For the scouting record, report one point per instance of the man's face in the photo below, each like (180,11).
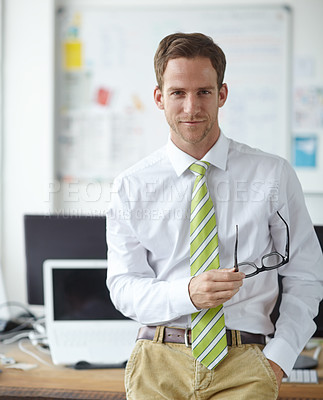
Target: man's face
(190,99)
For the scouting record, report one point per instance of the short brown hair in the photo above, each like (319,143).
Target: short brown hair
(188,45)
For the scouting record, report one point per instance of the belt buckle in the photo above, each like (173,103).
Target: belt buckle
(186,338)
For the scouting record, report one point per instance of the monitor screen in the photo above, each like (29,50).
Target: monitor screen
(319,319)
(80,294)
(60,237)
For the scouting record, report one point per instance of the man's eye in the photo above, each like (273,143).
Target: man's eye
(177,93)
(205,92)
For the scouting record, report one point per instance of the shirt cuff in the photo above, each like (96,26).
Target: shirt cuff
(179,296)
(279,351)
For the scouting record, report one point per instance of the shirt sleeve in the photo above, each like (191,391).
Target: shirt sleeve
(134,288)
(302,277)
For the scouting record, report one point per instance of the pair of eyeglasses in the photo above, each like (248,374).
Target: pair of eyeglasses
(269,261)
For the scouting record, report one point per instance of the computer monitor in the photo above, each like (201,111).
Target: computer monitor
(319,319)
(60,237)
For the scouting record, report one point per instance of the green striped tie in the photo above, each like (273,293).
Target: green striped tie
(209,342)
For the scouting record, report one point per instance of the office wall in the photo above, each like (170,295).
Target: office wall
(27,128)
(28,114)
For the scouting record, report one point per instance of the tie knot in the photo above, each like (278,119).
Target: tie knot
(199,167)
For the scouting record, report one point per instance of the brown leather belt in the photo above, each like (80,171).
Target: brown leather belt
(183,336)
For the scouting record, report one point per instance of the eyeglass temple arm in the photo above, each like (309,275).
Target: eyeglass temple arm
(287,241)
(236,268)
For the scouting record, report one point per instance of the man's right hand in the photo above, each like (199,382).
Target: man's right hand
(214,287)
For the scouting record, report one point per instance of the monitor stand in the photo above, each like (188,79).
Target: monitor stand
(305,362)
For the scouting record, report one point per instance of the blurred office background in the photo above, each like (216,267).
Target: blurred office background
(36,35)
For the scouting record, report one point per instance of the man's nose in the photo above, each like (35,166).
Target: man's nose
(191,104)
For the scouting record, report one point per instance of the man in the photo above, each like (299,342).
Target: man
(181,219)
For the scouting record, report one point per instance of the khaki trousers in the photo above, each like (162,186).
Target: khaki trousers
(158,370)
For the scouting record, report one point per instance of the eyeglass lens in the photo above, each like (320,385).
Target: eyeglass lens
(270,261)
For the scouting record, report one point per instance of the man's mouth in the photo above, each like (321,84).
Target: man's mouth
(194,122)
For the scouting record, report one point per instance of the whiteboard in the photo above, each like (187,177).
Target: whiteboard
(106,118)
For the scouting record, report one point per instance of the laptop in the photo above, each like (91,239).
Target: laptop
(83,326)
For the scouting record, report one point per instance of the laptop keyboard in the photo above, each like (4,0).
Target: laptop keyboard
(302,376)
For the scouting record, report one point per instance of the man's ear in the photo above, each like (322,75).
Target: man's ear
(158,97)
(223,94)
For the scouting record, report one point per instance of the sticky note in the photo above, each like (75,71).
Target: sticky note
(72,54)
(305,151)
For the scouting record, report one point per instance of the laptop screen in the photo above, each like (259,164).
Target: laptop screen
(81,321)
(81,294)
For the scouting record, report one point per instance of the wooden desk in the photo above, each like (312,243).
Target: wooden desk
(52,382)
(299,391)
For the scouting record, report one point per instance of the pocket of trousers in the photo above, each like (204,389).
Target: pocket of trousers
(266,366)
(131,363)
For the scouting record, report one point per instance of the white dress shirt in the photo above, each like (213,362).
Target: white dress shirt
(148,242)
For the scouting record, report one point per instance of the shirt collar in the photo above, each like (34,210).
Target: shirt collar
(217,155)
